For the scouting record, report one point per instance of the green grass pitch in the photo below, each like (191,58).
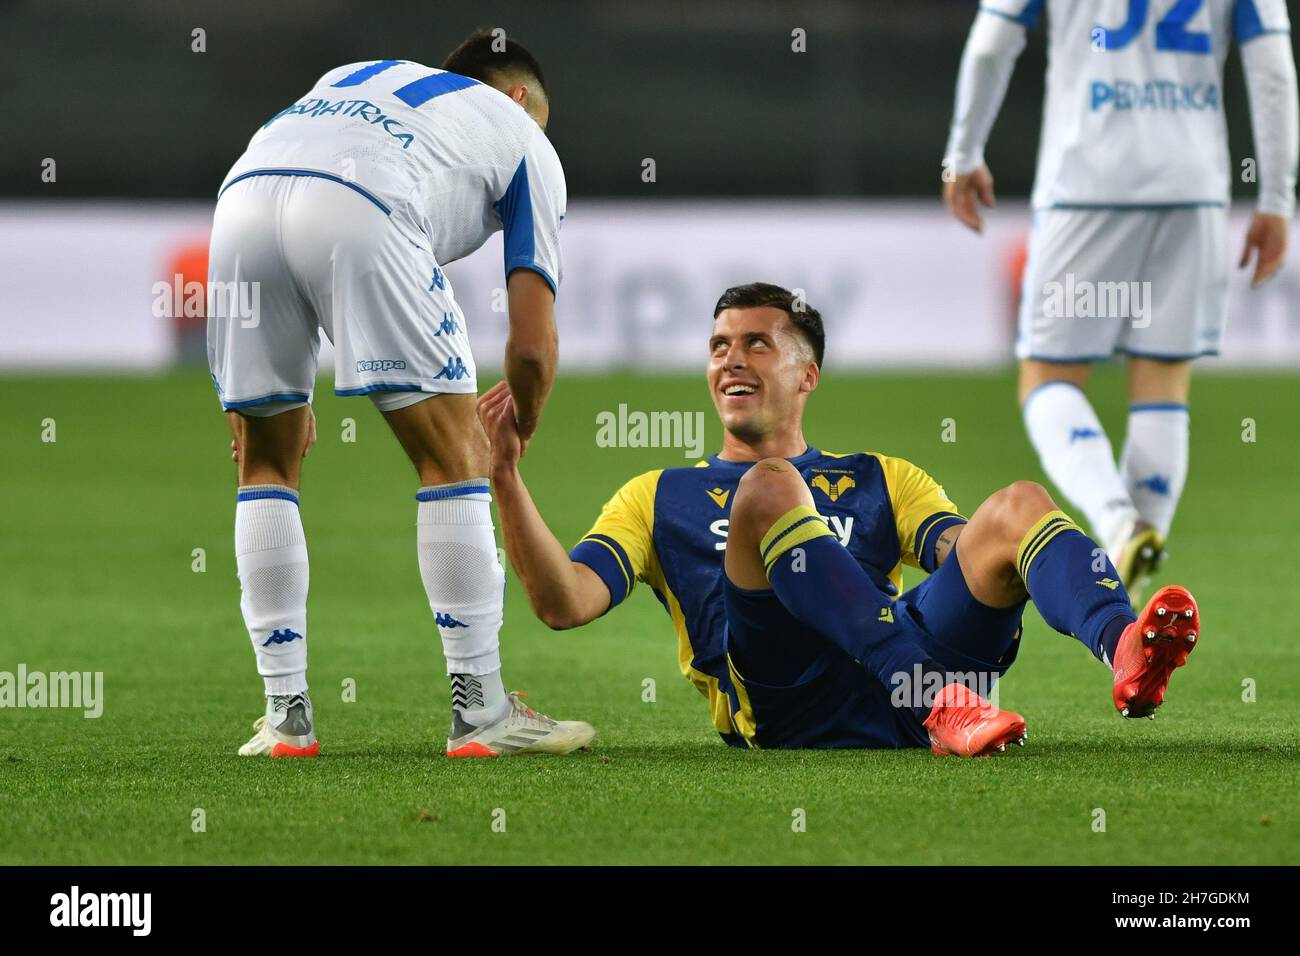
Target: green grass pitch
(98,533)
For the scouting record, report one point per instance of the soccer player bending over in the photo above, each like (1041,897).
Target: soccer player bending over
(342,212)
(1130,200)
(798,634)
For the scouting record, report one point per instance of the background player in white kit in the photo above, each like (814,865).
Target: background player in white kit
(343,209)
(1132,187)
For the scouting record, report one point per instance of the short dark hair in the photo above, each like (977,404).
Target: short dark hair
(803,316)
(477,59)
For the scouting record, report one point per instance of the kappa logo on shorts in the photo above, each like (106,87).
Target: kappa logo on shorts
(379,365)
(448,325)
(438,280)
(455,369)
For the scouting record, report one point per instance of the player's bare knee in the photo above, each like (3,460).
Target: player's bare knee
(768,490)
(1019,506)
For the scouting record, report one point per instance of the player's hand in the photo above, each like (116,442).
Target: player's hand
(311,431)
(496,413)
(966,193)
(527,428)
(1267,238)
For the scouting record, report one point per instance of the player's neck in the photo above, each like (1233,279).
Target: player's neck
(735,448)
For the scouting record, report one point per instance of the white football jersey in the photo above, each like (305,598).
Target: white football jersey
(460,157)
(1134,107)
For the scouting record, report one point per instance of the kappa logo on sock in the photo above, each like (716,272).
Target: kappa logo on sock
(1078,434)
(1156,484)
(1108,583)
(446,620)
(282,636)
(886,615)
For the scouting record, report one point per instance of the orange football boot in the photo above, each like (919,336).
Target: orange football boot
(965,724)
(1151,648)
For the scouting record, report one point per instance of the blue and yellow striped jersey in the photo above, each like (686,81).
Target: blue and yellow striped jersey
(668,528)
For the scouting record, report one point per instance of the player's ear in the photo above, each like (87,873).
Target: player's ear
(811,376)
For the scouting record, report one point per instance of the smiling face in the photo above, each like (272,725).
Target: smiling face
(761,371)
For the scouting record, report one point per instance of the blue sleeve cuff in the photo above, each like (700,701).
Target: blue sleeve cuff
(607,558)
(927,537)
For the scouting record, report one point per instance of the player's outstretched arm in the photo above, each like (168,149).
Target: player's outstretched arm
(532,347)
(995,42)
(564,593)
(1271,84)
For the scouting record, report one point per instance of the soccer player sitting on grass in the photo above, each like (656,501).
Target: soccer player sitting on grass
(781,567)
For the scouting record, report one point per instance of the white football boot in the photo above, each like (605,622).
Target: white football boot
(285,730)
(521,731)
(1136,553)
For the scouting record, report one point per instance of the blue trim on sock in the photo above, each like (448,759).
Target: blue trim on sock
(1158,407)
(267,493)
(438,494)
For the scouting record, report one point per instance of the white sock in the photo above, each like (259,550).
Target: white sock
(271,554)
(1154,462)
(1077,456)
(466,587)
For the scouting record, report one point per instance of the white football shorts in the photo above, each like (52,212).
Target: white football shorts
(1151,283)
(293,254)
